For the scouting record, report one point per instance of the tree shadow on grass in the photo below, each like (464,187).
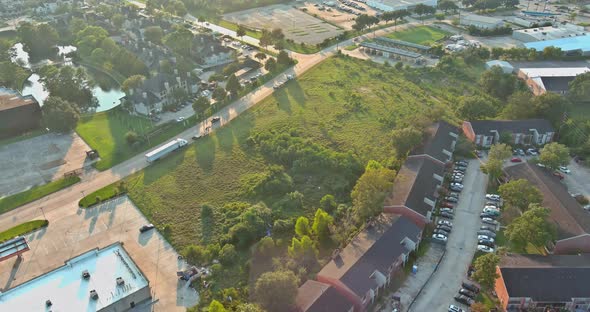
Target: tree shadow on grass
(205,153)
(296,92)
(164,166)
(283,101)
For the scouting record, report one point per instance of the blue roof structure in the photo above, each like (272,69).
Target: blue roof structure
(565,44)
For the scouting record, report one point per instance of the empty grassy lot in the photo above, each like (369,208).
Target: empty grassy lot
(106,131)
(17,200)
(425,35)
(22,229)
(345,105)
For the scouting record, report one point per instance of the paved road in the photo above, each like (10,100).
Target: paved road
(446,281)
(577,181)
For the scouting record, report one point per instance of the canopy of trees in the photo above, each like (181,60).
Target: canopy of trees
(554,155)
(532,227)
(370,191)
(520,194)
(39,40)
(276,291)
(60,115)
(405,139)
(485,270)
(498,84)
(69,84)
(579,89)
(11,75)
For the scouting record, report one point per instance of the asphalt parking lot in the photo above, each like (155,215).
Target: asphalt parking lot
(73,231)
(296,25)
(438,293)
(39,160)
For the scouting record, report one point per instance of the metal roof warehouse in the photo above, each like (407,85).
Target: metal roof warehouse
(570,44)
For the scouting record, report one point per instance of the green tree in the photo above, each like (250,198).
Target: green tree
(154,34)
(118,20)
(60,115)
(132,82)
(201,103)
(475,107)
(519,106)
(552,53)
(493,168)
(447,5)
(216,306)
(131,137)
(550,106)
(328,203)
(498,84)
(227,254)
(219,94)
(579,88)
(283,58)
(265,38)
(270,65)
(422,9)
(38,39)
(369,192)
(321,225)
(241,31)
(500,151)
(485,270)
(69,84)
(276,291)
(532,227)
(520,194)
(233,85)
(405,139)
(260,56)
(302,227)
(303,251)
(506,137)
(195,254)
(554,155)
(180,41)
(248,307)
(364,21)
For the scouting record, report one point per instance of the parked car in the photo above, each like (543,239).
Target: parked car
(488,228)
(485,237)
(488,215)
(487,233)
(515,160)
(457,180)
(532,152)
(454,194)
(446,215)
(439,237)
(489,221)
(451,199)
(458,185)
(215,119)
(467,292)
(464,299)
(486,242)
(145,228)
(493,203)
(474,288)
(493,197)
(461,168)
(455,188)
(564,169)
(445,222)
(558,175)
(454,308)
(444,228)
(447,205)
(541,165)
(462,163)
(440,231)
(484,248)
(492,211)
(196,137)
(447,210)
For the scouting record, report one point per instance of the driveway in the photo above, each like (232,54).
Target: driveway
(39,160)
(438,294)
(73,231)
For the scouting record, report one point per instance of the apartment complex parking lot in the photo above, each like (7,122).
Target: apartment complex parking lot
(460,247)
(73,231)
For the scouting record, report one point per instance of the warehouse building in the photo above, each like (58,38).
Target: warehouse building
(548,33)
(394,5)
(18,113)
(556,79)
(480,21)
(390,52)
(99,280)
(570,45)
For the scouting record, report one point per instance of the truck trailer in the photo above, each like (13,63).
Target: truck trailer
(165,149)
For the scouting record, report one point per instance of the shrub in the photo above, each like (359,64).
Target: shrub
(227,254)
(131,137)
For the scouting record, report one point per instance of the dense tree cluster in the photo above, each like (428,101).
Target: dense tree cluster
(520,194)
(60,115)
(39,40)
(370,191)
(532,227)
(11,75)
(70,84)
(485,270)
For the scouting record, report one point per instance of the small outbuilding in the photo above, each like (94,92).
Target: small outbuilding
(506,67)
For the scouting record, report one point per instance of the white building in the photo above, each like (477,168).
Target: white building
(99,280)
(556,80)
(548,33)
(480,21)
(394,5)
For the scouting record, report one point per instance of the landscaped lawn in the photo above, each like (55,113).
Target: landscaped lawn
(344,105)
(234,27)
(17,200)
(425,35)
(22,229)
(106,131)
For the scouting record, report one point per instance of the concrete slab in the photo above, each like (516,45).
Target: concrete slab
(39,160)
(73,231)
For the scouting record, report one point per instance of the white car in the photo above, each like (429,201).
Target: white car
(485,237)
(541,165)
(564,169)
(485,248)
(447,210)
(492,207)
(491,210)
(439,237)
(180,119)
(445,222)
(459,185)
(489,221)
(492,197)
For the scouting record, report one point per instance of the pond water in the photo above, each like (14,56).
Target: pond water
(105,91)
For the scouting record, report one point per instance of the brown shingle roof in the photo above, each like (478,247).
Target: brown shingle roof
(569,217)
(319,297)
(10,99)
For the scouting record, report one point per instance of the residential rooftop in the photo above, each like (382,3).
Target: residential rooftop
(555,71)
(374,249)
(566,213)
(547,284)
(10,99)
(66,288)
(418,178)
(514,126)
(439,143)
(315,296)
